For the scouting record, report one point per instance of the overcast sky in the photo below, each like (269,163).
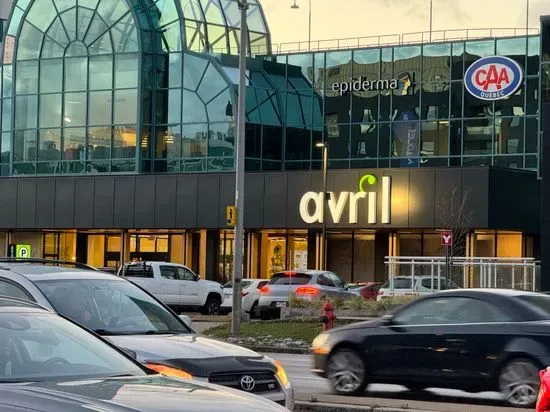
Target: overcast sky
(333,19)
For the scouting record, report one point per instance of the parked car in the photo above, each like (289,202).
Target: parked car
(132,318)
(475,340)
(368,290)
(227,304)
(175,285)
(418,285)
(50,364)
(304,284)
(251,297)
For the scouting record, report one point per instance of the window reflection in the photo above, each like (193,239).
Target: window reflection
(50,80)
(49,147)
(478,136)
(74,147)
(101,73)
(50,110)
(124,142)
(125,106)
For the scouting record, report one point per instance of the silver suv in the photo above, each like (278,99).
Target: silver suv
(304,284)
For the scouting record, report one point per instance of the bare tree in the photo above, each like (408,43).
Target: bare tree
(455,218)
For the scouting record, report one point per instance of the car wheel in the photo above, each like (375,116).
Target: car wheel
(212,306)
(255,312)
(346,372)
(519,383)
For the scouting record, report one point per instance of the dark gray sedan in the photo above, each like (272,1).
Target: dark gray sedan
(132,318)
(50,364)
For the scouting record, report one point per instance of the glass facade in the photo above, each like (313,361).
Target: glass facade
(141,86)
(102,86)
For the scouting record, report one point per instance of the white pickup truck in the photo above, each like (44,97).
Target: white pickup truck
(175,285)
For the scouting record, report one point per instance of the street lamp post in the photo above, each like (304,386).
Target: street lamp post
(324,146)
(295,6)
(431,19)
(239,176)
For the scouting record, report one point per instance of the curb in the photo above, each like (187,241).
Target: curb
(300,406)
(267,349)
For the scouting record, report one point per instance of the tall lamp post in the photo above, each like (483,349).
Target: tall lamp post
(431,19)
(295,6)
(239,176)
(324,146)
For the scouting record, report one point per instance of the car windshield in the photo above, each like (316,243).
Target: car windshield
(110,306)
(290,278)
(538,303)
(43,346)
(399,283)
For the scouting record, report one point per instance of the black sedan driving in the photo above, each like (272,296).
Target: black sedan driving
(474,340)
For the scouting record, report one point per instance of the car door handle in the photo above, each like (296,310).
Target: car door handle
(455,340)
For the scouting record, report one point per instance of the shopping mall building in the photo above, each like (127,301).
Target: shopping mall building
(118,136)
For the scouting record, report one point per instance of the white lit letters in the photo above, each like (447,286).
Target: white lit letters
(312,204)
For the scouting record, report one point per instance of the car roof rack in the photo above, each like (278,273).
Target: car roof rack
(48,262)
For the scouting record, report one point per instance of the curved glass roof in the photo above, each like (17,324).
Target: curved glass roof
(214,26)
(106,26)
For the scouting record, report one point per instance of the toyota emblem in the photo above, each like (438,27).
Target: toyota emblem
(248,383)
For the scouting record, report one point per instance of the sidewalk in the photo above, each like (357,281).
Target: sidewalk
(334,403)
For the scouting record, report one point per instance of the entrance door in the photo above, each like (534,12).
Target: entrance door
(153,248)
(112,251)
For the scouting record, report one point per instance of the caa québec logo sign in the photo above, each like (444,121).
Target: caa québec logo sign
(493,78)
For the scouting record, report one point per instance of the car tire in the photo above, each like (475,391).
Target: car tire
(519,383)
(212,306)
(255,312)
(346,372)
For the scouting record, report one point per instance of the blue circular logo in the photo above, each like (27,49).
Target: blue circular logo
(493,78)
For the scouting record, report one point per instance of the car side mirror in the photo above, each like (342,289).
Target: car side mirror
(197,278)
(129,352)
(187,320)
(387,320)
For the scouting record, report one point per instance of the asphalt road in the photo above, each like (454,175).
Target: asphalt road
(308,386)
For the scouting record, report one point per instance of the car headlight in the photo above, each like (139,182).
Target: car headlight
(281,374)
(321,344)
(168,371)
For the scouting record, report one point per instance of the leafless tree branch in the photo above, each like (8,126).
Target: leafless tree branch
(455,217)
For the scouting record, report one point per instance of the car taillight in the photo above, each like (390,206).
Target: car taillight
(244,293)
(264,290)
(307,290)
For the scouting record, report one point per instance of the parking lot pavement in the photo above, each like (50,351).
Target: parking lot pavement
(308,386)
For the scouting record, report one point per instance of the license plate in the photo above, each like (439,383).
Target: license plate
(280,304)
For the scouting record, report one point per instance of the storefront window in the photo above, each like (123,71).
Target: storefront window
(297,252)
(410,244)
(484,245)
(364,258)
(339,255)
(276,254)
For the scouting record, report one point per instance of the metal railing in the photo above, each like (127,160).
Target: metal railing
(472,272)
(436,36)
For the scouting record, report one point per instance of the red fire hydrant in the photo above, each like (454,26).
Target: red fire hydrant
(328,317)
